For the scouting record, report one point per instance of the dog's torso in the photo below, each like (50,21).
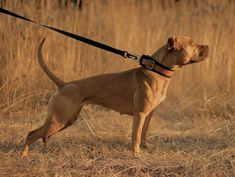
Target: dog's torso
(117,90)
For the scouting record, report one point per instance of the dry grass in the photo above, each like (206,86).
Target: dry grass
(193,131)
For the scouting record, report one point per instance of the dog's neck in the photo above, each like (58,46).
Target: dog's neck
(159,56)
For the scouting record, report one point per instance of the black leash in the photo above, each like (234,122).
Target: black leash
(145,60)
(123,53)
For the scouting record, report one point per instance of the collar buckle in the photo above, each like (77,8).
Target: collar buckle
(150,62)
(152,65)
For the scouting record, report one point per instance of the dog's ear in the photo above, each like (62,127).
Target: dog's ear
(172,43)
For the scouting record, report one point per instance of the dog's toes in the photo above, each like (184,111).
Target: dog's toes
(136,152)
(137,155)
(25,152)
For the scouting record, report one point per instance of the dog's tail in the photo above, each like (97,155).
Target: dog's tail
(43,65)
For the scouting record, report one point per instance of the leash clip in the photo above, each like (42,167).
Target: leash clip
(131,56)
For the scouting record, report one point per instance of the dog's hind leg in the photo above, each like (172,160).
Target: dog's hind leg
(71,121)
(53,130)
(33,136)
(63,111)
(49,128)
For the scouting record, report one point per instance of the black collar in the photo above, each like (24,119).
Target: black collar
(153,65)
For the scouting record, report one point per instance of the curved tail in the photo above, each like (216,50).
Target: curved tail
(43,65)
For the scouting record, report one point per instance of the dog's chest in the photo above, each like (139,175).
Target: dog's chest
(159,94)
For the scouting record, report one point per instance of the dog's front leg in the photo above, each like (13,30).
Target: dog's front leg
(145,130)
(140,111)
(137,126)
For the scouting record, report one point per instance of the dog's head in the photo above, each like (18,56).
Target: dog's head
(183,50)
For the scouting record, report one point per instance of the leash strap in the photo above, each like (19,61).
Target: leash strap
(145,61)
(123,53)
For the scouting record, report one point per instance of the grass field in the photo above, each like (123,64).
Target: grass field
(192,132)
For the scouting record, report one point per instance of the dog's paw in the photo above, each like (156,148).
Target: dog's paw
(137,155)
(24,155)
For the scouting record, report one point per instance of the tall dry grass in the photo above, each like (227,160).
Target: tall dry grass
(138,26)
(195,126)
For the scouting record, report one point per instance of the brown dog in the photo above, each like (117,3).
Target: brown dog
(134,92)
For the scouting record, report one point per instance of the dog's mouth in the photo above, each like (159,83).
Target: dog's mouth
(192,61)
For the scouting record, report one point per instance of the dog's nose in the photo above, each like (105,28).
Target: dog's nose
(204,50)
